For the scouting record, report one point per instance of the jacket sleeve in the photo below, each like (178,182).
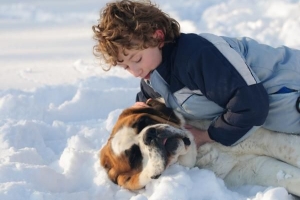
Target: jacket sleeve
(146,92)
(230,84)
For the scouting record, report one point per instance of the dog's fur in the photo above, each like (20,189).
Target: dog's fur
(145,141)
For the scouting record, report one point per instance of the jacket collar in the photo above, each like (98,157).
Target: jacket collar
(168,53)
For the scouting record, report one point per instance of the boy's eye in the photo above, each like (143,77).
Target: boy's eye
(139,60)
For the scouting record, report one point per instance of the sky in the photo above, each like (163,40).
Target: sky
(57,105)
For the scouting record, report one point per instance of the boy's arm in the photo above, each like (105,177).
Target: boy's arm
(245,104)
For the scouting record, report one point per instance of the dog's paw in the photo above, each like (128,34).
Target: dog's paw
(206,155)
(214,157)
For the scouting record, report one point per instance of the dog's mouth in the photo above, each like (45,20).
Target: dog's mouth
(165,144)
(171,144)
(169,140)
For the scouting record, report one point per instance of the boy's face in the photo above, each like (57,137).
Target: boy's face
(140,63)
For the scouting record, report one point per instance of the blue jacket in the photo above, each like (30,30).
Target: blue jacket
(229,81)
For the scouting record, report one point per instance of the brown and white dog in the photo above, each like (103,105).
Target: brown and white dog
(145,141)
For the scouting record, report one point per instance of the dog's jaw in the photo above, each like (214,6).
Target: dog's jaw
(154,163)
(189,157)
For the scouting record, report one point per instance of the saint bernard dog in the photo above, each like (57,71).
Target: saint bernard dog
(146,140)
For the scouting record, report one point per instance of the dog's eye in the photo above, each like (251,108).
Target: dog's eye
(127,152)
(106,165)
(134,156)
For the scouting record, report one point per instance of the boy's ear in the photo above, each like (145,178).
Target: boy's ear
(159,34)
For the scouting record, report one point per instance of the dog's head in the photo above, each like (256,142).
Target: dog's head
(144,142)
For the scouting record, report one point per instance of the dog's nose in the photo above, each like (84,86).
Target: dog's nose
(150,135)
(186,141)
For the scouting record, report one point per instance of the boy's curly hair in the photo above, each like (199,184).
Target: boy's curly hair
(130,25)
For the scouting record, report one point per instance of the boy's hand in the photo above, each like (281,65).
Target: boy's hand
(139,104)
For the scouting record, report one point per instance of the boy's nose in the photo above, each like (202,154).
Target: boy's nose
(137,72)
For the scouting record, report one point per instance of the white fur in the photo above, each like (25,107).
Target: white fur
(123,139)
(265,158)
(152,161)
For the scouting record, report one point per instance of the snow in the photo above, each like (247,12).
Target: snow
(57,105)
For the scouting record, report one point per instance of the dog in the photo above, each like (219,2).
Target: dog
(146,140)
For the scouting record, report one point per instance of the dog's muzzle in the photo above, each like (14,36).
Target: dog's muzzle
(165,138)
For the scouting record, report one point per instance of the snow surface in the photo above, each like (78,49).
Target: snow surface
(57,105)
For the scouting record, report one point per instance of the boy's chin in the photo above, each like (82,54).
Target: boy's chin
(147,77)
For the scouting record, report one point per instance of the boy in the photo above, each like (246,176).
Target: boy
(236,83)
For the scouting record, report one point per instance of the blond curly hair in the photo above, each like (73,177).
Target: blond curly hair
(131,25)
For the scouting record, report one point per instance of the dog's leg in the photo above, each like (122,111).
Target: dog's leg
(266,171)
(285,147)
(240,169)
(214,157)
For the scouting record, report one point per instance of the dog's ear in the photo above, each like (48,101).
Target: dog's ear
(156,108)
(165,112)
(157,105)
(104,158)
(107,164)
(154,103)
